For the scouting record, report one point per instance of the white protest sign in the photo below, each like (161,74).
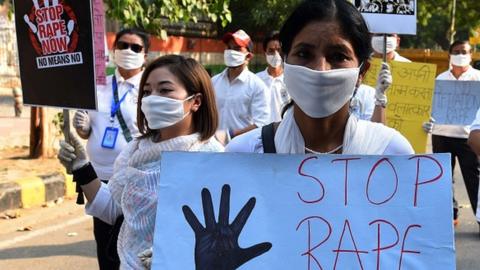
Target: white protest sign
(386,16)
(303,212)
(456,102)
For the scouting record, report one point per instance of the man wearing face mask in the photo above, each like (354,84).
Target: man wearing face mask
(109,129)
(272,76)
(453,139)
(393,42)
(243,99)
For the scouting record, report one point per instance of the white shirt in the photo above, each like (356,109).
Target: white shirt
(399,58)
(362,104)
(243,102)
(103,158)
(251,142)
(279,95)
(455,131)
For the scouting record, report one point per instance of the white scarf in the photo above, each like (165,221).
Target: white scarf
(133,162)
(360,138)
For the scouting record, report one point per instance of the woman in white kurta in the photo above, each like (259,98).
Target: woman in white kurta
(327,48)
(176,112)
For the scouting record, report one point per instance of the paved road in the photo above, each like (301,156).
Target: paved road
(61,238)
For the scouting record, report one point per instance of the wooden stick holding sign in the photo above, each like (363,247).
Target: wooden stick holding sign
(385,48)
(66,130)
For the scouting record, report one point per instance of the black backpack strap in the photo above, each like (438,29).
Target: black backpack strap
(268,138)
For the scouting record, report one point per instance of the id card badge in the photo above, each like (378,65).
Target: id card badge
(110,137)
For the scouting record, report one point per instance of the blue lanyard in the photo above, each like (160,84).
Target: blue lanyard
(116,106)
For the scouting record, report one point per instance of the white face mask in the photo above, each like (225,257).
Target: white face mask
(377,44)
(129,59)
(162,112)
(274,60)
(460,60)
(320,93)
(234,58)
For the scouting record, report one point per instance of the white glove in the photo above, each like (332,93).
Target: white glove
(384,81)
(428,126)
(81,121)
(146,257)
(73,154)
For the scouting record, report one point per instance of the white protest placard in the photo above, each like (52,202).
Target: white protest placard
(455,102)
(386,16)
(264,211)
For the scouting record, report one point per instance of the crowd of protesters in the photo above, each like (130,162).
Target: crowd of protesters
(310,99)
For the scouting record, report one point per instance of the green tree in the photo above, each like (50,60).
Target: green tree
(153,15)
(435,19)
(260,17)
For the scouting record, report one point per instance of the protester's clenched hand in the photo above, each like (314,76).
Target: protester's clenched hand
(384,81)
(146,257)
(428,126)
(216,244)
(72,154)
(81,121)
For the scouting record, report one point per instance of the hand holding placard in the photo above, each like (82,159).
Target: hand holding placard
(216,244)
(384,81)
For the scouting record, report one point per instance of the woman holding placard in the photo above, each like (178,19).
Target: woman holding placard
(109,129)
(327,48)
(176,112)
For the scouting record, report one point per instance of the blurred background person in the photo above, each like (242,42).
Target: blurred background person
(272,76)
(243,99)
(452,138)
(393,42)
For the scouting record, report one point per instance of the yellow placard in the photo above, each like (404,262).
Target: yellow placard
(409,98)
(474,40)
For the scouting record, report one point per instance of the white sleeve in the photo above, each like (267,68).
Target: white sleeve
(103,206)
(260,106)
(476,123)
(362,104)
(368,103)
(250,142)
(399,145)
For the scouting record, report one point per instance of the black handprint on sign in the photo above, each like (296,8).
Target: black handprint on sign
(216,244)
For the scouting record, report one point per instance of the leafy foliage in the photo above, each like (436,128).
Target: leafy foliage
(433,21)
(152,15)
(260,17)
(433,24)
